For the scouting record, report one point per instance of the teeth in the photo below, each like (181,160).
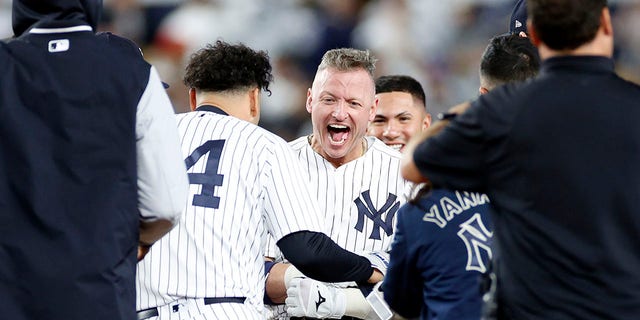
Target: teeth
(337,142)
(337,126)
(396,146)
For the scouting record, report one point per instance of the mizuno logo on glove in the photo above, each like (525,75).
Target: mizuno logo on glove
(321,299)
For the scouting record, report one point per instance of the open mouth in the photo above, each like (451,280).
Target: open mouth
(396,146)
(338,134)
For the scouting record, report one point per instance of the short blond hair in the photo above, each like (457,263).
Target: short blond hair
(347,59)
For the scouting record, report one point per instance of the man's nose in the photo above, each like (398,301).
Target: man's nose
(390,130)
(339,111)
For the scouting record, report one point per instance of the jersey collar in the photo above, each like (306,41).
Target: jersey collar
(211,108)
(60,30)
(595,64)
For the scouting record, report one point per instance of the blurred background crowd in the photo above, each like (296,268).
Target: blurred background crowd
(438,42)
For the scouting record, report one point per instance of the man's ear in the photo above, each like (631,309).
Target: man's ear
(533,35)
(192,99)
(254,105)
(308,103)
(605,22)
(374,107)
(426,122)
(483,90)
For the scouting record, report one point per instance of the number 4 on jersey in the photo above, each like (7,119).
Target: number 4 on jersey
(210,178)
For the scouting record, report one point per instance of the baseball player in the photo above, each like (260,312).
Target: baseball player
(443,237)
(441,248)
(85,129)
(245,181)
(355,178)
(401,112)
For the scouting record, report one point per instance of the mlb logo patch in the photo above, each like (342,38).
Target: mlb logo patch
(59,45)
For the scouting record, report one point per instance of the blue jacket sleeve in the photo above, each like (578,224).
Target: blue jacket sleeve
(403,283)
(454,158)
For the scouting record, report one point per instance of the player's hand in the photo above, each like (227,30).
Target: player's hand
(379,260)
(310,298)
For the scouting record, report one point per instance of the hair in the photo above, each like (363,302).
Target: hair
(508,58)
(565,24)
(401,83)
(347,59)
(227,67)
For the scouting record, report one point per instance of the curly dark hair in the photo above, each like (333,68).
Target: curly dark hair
(224,67)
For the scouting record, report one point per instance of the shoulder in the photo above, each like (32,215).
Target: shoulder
(500,99)
(378,147)
(258,139)
(630,86)
(115,40)
(247,132)
(122,46)
(299,143)
(495,112)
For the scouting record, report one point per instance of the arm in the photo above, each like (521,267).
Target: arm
(409,169)
(275,288)
(342,299)
(403,283)
(162,177)
(151,232)
(318,257)
(453,154)
(338,299)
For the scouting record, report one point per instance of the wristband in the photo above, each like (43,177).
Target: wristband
(267,268)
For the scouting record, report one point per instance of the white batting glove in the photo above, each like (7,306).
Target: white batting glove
(310,298)
(378,259)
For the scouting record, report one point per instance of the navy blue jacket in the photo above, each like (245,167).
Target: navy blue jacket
(68,189)
(442,246)
(559,157)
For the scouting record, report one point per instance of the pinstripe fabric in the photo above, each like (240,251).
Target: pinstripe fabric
(195,309)
(218,252)
(339,190)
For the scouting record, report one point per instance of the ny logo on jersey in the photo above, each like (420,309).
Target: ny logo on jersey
(476,238)
(367,209)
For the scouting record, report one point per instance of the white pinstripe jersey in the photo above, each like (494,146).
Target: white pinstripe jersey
(358,200)
(245,181)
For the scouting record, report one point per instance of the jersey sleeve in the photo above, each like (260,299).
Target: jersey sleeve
(162,175)
(289,205)
(402,285)
(453,158)
(271,249)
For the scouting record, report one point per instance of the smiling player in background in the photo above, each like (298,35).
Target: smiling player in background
(401,112)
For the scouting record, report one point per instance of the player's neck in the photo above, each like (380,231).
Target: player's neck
(337,162)
(234,105)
